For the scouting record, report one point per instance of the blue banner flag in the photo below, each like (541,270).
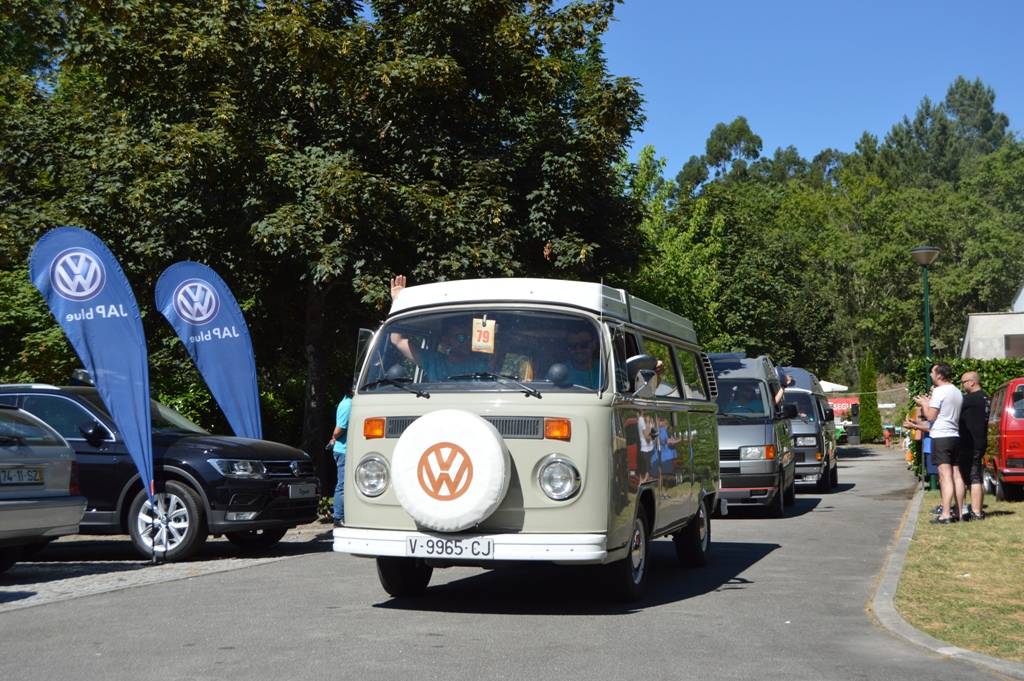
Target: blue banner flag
(92,301)
(207,319)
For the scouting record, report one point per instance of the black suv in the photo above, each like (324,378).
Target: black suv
(251,491)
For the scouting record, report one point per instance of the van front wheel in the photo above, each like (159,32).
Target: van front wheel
(629,575)
(404,576)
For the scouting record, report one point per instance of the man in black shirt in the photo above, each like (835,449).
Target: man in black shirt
(973,440)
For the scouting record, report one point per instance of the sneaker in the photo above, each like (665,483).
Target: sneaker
(938,510)
(967,517)
(941,521)
(339,523)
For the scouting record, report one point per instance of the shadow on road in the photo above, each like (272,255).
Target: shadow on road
(802,505)
(855,452)
(557,590)
(11,596)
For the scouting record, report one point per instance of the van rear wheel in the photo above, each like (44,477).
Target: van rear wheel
(693,542)
(402,577)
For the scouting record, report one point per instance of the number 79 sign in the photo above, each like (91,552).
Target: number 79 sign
(483,335)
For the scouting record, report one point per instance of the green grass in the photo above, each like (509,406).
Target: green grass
(964,583)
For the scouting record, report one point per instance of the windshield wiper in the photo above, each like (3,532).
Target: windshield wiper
(505,378)
(398,383)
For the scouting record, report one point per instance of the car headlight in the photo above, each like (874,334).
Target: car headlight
(558,478)
(240,468)
(371,475)
(752,453)
(807,441)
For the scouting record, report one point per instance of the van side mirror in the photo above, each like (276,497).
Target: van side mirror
(830,415)
(641,372)
(92,432)
(789,411)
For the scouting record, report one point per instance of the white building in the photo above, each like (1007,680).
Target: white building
(996,335)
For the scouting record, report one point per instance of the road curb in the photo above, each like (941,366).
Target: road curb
(885,612)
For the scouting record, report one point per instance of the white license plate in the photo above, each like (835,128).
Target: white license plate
(21,476)
(301,491)
(466,548)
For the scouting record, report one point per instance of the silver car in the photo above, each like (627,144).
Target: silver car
(39,499)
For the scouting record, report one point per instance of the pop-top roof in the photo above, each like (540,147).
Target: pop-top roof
(597,298)
(803,379)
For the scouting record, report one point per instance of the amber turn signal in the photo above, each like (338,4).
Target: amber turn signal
(818,456)
(769,451)
(373,428)
(557,429)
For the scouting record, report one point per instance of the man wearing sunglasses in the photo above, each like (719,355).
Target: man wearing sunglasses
(583,367)
(973,441)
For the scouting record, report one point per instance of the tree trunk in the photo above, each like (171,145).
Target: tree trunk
(316,421)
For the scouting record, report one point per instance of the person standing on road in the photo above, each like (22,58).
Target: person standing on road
(942,409)
(338,444)
(973,441)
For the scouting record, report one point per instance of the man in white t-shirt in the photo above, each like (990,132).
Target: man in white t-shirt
(942,409)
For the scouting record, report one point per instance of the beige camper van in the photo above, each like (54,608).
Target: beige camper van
(529,420)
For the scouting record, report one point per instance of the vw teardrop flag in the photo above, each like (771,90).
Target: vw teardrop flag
(92,301)
(207,319)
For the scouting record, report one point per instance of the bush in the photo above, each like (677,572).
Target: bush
(870,419)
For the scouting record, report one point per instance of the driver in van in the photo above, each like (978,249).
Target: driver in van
(582,363)
(747,398)
(453,355)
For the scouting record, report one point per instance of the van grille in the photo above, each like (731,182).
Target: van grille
(729,455)
(509,427)
(1015,463)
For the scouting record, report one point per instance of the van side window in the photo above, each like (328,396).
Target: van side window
(668,382)
(689,371)
(624,346)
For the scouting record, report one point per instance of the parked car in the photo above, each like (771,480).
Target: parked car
(39,497)
(813,429)
(251,491)
(1004,459)
(756,447)
(502,421)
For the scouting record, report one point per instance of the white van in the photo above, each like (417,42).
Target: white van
(512,420)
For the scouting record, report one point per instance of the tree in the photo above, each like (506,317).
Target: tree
(870,419)
(307,151)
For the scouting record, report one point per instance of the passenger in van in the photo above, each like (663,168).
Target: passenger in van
(582,361)
(452,355)
(745,398)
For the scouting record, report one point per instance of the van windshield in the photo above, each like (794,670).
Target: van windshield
(804,405)
(744,398)
(487,349)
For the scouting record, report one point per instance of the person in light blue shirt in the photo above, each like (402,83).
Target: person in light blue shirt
(338,444)
(583,364)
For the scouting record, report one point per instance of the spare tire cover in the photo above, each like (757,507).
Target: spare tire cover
(450,469)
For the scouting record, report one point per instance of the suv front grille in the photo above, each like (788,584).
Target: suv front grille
(509,427)
(290,469)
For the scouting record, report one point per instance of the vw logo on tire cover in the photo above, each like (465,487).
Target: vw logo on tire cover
(195,301)
(77,274)
(451,470)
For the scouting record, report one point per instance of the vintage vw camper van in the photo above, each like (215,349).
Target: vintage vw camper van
(528,420)
(813,430)
(756,449)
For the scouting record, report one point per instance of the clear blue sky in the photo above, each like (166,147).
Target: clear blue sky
(814,74)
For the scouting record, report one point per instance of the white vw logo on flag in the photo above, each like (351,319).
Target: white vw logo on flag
(77,274)
(195,301)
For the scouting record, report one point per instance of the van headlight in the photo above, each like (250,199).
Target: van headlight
(242,469)
(558,478)
(371,475)
(752,453)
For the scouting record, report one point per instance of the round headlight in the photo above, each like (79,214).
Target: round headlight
(372,475)
(559,479)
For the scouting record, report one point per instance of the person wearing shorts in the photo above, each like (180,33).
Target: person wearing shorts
(942,409)
(973,441)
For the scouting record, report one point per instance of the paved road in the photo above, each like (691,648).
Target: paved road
(781,598)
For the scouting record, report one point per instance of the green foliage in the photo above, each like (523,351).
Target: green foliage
(870,419)
(991,372)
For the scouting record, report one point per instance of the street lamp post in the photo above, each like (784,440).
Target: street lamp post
(925,256)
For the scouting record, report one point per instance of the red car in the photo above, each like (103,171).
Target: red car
(1004,460)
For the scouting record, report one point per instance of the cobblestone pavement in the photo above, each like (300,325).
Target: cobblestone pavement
(82,565)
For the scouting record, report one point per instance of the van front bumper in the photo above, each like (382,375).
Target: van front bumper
(553,548)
